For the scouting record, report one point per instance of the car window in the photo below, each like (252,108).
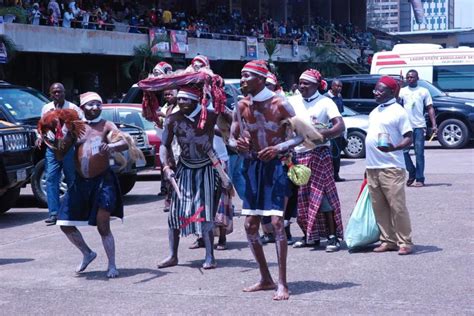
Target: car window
(108,114)
(346,91)
(434,92)
(22,104)
(134,117)
(348,112)
(365,89)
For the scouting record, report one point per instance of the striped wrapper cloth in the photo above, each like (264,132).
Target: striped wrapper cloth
(310,196)
(200,186)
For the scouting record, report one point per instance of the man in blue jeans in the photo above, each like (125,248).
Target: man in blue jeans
(53,167)
(415,99)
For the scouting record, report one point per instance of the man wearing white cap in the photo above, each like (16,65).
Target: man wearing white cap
(194,204)
(319,209)
(95,195)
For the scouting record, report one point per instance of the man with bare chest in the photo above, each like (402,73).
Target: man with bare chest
(95,194)
(193,212)
(258,133)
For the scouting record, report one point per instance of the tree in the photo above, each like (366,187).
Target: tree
(142,63)
(11,50)
(323,58)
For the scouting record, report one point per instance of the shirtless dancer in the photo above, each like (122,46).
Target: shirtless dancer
(196,178)
(95,195)
(258,134)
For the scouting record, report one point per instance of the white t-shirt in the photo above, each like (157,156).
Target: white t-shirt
(320,109)
(67,18)
(392,119)
(220,149)
(67,105)
(414,101)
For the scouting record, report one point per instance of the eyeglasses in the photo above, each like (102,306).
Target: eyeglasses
(92,105)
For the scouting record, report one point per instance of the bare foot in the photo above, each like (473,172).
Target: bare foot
(261,286)
(209,265)
(112,272)
(281,293)
(86,260)
(168,262)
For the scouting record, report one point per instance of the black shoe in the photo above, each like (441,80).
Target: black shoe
(339,179)
(51,220)
(333,244)
(267,238)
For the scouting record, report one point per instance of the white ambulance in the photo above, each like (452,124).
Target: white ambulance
(450,69)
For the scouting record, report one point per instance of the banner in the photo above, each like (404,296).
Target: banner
(159,41)
(179,42)
(252,48)
(3,53)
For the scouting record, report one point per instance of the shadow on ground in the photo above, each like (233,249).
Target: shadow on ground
(303,287)
(419,249)
(149,177)
(150,274)
(4,261)
(27,201)
(227,263)
(12,218)
(134,199)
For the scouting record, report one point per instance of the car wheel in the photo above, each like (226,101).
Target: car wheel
(38,184)
(453,134)
(127,182)
(355,145)
(8,199)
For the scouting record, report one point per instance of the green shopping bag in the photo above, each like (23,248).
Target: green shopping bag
(362,229)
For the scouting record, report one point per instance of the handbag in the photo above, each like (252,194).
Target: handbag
(362,229)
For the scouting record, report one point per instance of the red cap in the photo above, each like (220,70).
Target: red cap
(391,83)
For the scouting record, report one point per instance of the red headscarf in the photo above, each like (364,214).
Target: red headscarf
(312,75)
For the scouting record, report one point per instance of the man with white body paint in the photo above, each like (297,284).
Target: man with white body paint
(258,133)
(95,195)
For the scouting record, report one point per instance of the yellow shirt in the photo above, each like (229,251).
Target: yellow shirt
(167,16)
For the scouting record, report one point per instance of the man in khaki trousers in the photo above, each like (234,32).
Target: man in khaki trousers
(388,134)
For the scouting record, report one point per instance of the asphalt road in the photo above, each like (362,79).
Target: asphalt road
(37,262)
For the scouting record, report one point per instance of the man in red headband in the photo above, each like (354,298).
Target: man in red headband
(319,209)
(389,133)
(197,181)
(200,61)
(162,68)
(257,133)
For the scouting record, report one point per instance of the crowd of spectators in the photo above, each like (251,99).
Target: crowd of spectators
(215,22)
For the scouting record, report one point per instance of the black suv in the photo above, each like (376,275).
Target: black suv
(454,116)
(22,106)
(16,162)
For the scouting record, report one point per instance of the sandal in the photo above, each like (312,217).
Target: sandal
(221,247)
(410,182)
(419,185)
(302,243)
(199,243)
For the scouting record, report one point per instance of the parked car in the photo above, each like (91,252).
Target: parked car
(16,162)
(22,106)
(131,114)
(454,116)
(356,131)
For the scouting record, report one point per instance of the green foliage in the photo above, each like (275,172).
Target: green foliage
(20,13)
(271,46)
(141,64)
(10,47)
(323,59)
